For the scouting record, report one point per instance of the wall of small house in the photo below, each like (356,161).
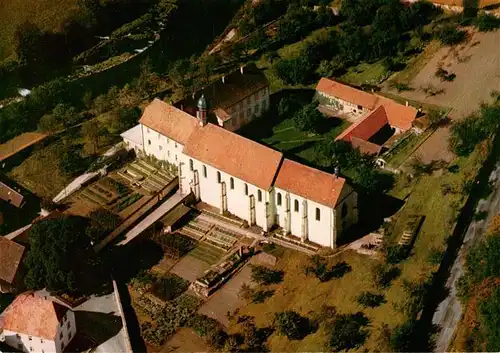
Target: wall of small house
(209,191)
(160,146)
(247,109)
(27,343)
(66,331)
(340,105)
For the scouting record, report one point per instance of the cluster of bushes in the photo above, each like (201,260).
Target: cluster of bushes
(167,321)
(165,287)
(318,266)
(450,35)
(466,134)
(174,245)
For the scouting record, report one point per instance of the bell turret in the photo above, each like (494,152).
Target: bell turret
(201,113)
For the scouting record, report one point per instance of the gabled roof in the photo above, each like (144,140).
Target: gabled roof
(398,115)
(366,126)
(234,154)
(33,315)
(236,86)
(310,183)
(347,93)
(169,121)
(10,195)
(11,255)
(364,146)
(133,134)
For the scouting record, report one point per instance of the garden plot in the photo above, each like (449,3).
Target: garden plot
(221,238)
(143,174)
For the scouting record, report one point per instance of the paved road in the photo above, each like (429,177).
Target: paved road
(166,206)
(449,311)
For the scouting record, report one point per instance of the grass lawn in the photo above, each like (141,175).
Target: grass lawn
(415,64)
(47,14)
(284,137)
(402,152)
(305,294)
(365,73)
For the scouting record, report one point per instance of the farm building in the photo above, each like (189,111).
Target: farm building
(374,116)
(11,254)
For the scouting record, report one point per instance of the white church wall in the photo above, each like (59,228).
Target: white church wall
(160,146)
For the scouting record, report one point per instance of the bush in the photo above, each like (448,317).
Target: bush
(295,71)
(444,75)
(291,325)
(208,328)
(466,134)
(487,22)
(435,257)
(264,275)
(370,300)
(175,245)
(401,338)
(450,35)
(318,266)
(348,332)
(169,287)
(395,254)
(383,275)
(308,119)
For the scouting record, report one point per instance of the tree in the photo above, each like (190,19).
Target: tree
(370,300)
(383,275)
(295,71)
(28,43)
(93,133)
(257,40)
(402,337)
(489,319)
(125,118)
(450,35)
(60,254)
(265,275)
(65,114)
(466,134)
(71,161)
(102,221)
(348,332)
(291,324)
(487,22)
(309,118)
(49,124)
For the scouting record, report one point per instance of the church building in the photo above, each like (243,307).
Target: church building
(244,178)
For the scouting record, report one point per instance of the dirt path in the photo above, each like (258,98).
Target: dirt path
(476,65)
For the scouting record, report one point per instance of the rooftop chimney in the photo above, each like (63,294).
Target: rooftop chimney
(241,69)
(337,171)
(406,103)
(223,79)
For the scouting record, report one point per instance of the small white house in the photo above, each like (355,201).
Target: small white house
(32,323)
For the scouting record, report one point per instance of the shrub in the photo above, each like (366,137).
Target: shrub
(383,275)
(174,245)
(401,338)
(348,332)
(318,266)
(435,257)
(487,22)
(264,275)
(291,325)
(370,300)
(395,254)
(208,328)
(169,286)
(450,35)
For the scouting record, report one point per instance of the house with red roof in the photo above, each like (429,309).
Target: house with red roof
(371,113)
(35,323)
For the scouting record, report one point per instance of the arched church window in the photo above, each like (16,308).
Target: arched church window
(279,199)
(259,196)
(231,183)
(296,205)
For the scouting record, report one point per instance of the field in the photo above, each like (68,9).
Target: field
(47,14)
(365,73)
(305,294)
(476,68)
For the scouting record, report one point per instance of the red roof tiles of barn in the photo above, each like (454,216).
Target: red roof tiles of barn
(310,183)
(33,315)
(366,126)
(234,154)
(365,147)
(398,115)
(11,254)
(347,93)
(169,121)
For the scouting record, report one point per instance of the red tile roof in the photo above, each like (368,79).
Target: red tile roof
(366,126)
(11,255)
(365,147)
(346,93)
(398,115)
(10,195)
(33,315)
(169,121)
(310,183)
(234,154)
